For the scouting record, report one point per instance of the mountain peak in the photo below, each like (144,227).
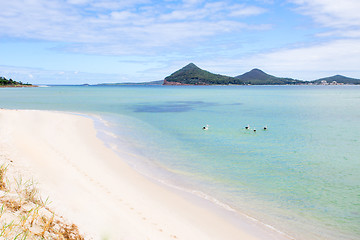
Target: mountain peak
(338,79)
(192,74)
(259,77)
(255,74)
(257,70)
(190,66)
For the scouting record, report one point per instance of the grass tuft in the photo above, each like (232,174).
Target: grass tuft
(25,215)
(3,170)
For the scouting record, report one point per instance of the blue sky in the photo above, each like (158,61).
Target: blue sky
(95,41)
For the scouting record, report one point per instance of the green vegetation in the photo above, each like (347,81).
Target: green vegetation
(258,77)
(11,83)
(338,79)
(193,75)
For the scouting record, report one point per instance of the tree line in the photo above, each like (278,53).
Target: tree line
(10,82)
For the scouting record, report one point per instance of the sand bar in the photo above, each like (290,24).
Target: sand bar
(92,186)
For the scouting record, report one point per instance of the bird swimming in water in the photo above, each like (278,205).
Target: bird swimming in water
(247,127)
(206,127)
(254,130)
(265,128)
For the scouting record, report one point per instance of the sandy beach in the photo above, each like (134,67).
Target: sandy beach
(92,186)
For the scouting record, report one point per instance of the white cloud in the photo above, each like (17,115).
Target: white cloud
(168,28)
(121,26)
(334,14)
(115,4)
(246,11)
(339,54)
(123,15)
(80,2)
(336,56)
(305,63)
(213,10)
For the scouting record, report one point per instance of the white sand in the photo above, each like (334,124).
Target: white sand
(90,185)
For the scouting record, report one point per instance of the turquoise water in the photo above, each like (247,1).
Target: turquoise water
(301,176)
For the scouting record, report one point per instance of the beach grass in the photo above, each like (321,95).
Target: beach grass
(25,215)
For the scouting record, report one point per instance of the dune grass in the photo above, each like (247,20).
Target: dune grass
(25,215)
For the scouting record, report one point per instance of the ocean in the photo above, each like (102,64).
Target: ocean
(301,175)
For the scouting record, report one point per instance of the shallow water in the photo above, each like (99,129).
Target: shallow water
(302,175)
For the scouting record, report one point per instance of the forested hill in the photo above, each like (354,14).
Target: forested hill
(11,83)
(193,75)
(338,79)
(258,77)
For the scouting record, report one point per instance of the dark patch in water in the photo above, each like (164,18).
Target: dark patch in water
(235,104)
(173,106)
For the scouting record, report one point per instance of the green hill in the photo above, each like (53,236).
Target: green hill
(338,79)
(258,77)
(193,75)
(11,83)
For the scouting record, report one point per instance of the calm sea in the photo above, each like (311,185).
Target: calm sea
(301,175)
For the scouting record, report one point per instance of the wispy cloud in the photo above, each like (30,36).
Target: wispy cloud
(121,27)
(335,50)
(336,57)
(335,15)
(223,36)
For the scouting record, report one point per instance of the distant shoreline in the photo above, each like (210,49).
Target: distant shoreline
(193,75)
(183,84)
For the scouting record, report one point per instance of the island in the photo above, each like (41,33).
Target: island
(336,80)
(193,75)
(259,77)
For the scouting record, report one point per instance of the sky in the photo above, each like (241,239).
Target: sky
(108,41)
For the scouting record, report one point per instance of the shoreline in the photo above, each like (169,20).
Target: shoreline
(160,176)
(91,185)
